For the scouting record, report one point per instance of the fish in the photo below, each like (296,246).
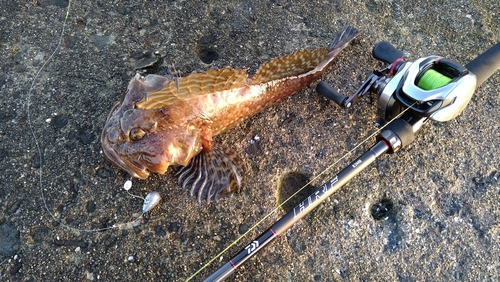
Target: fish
(169,120)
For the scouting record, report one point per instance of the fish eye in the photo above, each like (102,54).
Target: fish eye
(136,134)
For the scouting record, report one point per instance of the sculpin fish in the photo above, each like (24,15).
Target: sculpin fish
(165,120)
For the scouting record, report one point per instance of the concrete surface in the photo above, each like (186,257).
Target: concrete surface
(443,190)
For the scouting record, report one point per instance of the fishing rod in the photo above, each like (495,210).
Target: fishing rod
(409,94)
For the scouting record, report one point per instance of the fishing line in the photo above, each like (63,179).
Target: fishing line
(149,202)
(279,206)
(431,79)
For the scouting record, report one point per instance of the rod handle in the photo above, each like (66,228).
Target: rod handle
(485,64)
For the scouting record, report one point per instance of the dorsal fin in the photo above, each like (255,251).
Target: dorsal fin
(174,72)
(294,64)
(193,85)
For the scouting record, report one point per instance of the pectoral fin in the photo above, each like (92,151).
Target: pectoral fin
(213,173)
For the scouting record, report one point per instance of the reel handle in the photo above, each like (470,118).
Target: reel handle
(385,52)
(327,91)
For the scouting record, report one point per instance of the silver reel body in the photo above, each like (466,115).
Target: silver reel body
(439,104)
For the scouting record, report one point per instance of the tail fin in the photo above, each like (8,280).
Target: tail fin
(343,37)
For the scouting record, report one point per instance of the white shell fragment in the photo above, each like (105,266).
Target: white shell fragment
(127,185)
(151,200)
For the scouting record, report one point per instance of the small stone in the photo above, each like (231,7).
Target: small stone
(9,240)
(159,231)
(90,207)
(417,212)
(3,153)
(341,272)
(139,54)
(84,137)
(243,228)
(131,259)
(104,173)
(46,3)
(89,275)
(15,269)
(127,185)
(59,121)
(100,41)
(37,161)
(174,227)
(146,63)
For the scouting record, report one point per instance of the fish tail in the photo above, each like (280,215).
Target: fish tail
(303,61)
(343,37)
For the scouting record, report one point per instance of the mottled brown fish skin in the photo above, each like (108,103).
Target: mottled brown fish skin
(228,108)
(162,122)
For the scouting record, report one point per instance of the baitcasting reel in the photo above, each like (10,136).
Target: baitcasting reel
(431,87)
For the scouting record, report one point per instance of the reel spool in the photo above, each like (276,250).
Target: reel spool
(432,79)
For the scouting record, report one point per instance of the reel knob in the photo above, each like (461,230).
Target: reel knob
(324,89)
(385,52)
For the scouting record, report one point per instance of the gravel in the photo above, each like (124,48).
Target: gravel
(436,202)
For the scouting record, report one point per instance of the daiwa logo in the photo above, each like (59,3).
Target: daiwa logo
(250,248)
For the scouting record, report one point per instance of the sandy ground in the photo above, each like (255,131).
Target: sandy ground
(443,190)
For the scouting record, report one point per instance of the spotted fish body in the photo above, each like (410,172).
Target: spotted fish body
(163,120)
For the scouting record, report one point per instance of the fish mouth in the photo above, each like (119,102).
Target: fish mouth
(134,169)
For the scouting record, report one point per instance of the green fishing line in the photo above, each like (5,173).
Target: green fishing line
(431,79)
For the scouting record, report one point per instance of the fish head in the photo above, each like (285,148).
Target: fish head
(141,141)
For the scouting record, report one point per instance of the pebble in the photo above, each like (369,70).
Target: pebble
(243,228)
(146,63)
(127,185)
(58,121)
(9,240)
(90,276)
